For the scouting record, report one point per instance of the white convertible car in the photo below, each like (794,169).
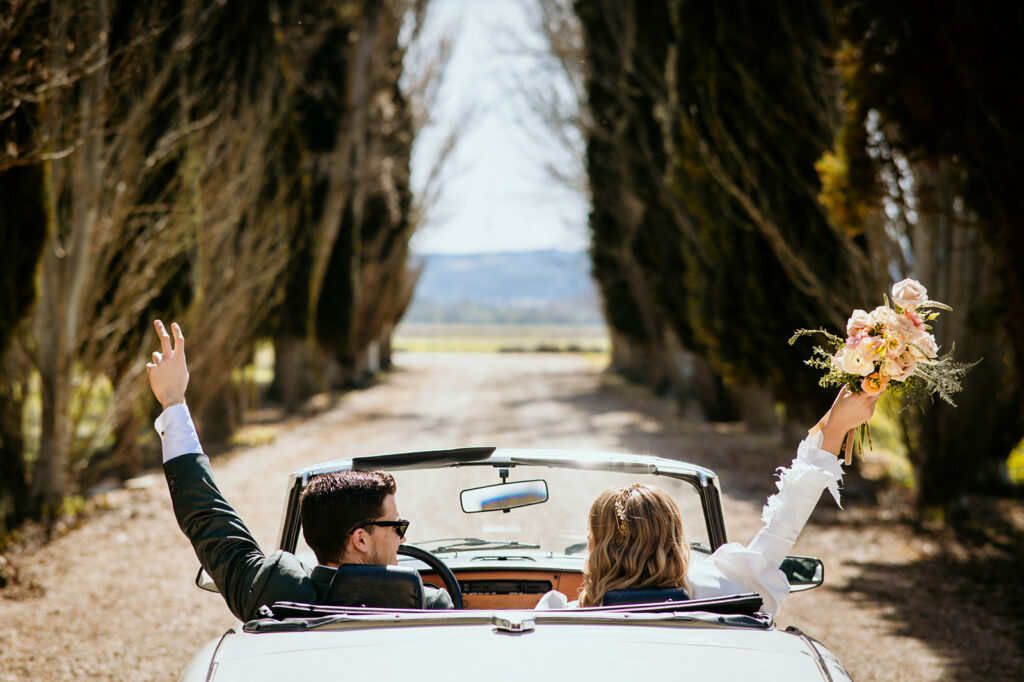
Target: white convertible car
(516,531)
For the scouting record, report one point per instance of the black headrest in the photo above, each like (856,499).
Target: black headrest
(389,587)
(644,596)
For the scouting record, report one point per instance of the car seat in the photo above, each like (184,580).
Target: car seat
(644,596)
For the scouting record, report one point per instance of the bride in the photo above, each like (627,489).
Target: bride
(636,538)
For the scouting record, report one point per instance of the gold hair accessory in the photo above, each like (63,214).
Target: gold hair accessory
(620,507)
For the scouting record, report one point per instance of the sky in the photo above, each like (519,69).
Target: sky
(496,195)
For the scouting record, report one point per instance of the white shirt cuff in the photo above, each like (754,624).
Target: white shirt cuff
(177,432)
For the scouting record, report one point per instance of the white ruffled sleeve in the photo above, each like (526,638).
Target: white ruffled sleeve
(734,568)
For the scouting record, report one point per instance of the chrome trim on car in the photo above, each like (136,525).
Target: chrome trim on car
(212,670)
(363,618)
(514,623)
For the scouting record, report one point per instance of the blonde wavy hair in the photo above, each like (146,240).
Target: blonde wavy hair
(636,541)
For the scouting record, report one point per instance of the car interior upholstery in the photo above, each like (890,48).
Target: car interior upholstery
(644,596)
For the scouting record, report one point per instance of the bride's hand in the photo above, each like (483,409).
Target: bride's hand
(849,411)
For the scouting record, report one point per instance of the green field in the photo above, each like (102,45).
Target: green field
(501,338)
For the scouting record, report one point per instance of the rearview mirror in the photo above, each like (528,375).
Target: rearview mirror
(504,496)
(803,572)
(205,582)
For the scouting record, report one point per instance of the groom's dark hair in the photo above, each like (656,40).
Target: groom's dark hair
(333,504)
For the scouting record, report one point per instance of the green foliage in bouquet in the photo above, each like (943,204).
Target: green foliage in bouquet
(889,348)
(943,376)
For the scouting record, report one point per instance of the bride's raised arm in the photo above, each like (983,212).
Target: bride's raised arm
(755,567)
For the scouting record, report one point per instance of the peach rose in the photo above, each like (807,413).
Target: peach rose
(884,316)
(894,344)
(922,346)
(909,293)
(909,365)
(890,367)
(872,347)
(899,367)
(902,326)
(873,384)
(859,323)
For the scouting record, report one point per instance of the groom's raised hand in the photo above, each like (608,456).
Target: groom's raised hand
(168,374)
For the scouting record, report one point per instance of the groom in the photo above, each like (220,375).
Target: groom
(348,517)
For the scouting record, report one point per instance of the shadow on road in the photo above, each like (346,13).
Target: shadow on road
(972,611)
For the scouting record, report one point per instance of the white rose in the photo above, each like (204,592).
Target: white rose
(909,293)
(854,363)
(837,360)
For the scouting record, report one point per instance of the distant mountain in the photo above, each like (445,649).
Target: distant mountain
(533,287)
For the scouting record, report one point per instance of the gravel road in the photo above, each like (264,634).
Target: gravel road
(112,599)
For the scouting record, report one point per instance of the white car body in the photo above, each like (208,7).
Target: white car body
(498,636)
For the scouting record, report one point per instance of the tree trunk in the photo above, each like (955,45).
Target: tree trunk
(371,359)
(13,481)
(960,450)
(711,394)
(386,361)
(67,264)
(50,476)
(127,454)
(298,371)
(219,416)
(756,407)
(24,207)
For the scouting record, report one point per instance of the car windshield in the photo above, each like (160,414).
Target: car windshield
(430,500)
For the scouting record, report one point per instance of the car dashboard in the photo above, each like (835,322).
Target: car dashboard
(509,589)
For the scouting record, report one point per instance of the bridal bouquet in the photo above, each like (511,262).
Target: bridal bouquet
(889,348)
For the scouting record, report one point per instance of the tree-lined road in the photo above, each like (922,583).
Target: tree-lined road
(113,599)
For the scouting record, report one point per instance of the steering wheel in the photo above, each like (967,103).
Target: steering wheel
(431,560)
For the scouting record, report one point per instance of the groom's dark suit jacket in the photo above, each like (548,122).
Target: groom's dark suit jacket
(245,576)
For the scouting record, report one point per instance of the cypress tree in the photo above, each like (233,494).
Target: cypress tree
(635,223)
(23,205)
(753,107)
(933,95)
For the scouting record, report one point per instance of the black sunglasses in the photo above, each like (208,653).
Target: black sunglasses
(400,526)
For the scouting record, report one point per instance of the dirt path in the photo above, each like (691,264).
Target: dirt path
(113,599)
